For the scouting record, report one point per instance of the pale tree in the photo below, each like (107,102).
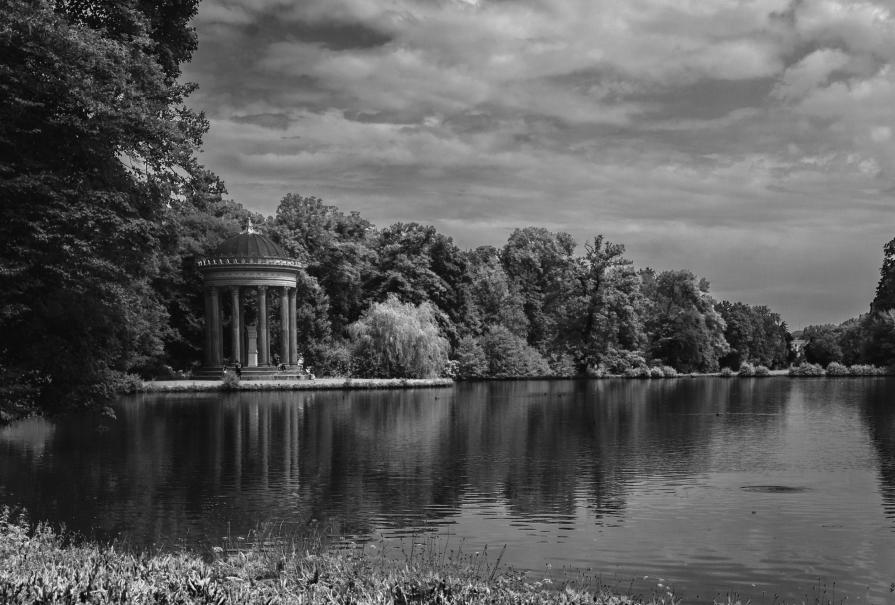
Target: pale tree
(393,339)
(418,264)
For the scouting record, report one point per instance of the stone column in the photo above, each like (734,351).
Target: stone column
(251,346)
(243,359)
(217,342)
(284,322)
(209,338)
(293,332)
(263,334)
(237,329)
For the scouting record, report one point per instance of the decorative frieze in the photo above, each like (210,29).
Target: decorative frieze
(277,262)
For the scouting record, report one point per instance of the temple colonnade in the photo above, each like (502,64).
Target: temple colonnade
(247,266)
(249,343)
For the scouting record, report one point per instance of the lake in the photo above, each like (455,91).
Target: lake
(709,486)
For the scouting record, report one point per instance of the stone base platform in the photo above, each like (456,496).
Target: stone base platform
(252,373)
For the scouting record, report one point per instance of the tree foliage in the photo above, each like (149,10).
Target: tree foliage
(602,306)
(755,334)
(418,264)
(879,332)
(200,221)
(822,344)
(94,138)
(884,299)
(685,330)
(509,356)
(494,299)
(398,340)
(337,249)
(471,359)
(540,265)
(880,338)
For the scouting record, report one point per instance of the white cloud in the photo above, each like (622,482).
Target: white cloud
(811,72)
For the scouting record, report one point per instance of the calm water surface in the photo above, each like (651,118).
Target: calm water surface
(753,486)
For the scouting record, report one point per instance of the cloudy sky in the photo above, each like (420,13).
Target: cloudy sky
(750,141)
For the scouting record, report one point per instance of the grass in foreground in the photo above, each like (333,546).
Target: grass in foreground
(40,566)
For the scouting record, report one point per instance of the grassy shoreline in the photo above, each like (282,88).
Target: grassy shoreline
(318,384)
(9,415)
(40,566)
(326,384)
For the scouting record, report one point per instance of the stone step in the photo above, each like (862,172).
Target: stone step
(251,373)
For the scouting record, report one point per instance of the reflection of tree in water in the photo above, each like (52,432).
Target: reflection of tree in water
(544,445)
(879,415)
(189,466)
(379,457)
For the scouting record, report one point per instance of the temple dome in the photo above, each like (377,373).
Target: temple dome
(249,245)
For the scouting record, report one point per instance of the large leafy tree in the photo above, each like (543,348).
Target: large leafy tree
(880,343)
(772,344)
(418,264)
(201,219)
(337,249)
(878,324)
(684,328)
(822,344)
(755,335)
(852,336)
(739,332)
(94,139)
(164,23)
(541,266)
(398,340)
(885,289)
(603,306)
(494,299)
(509,356)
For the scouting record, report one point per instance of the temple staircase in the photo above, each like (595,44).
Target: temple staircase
(252,373)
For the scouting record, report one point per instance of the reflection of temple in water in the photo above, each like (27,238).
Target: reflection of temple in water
(183,464)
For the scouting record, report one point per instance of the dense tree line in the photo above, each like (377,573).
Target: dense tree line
(869,338)
(105,211)
(533,307)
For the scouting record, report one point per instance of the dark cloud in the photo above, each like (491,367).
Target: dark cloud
(274,121)
(706,99)
(338,36)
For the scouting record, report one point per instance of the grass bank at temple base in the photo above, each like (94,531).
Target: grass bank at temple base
(39,566)
(294,385)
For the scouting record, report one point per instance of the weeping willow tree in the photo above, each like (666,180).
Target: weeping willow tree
(398,340)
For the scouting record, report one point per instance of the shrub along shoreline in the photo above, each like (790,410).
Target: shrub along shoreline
(805,370)
(134,385)
(317,384)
